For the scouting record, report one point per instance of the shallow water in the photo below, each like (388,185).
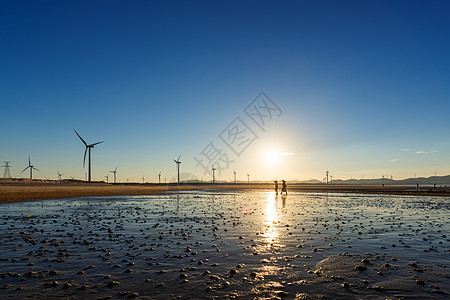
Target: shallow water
(210,244)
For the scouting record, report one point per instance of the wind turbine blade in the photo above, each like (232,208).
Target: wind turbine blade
(29,160)
(179,157)
(95,144)
(35,169)
(80,138)
(116,169)
(25,169)
(84,159)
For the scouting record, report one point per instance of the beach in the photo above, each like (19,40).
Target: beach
(26,190)
(226,244)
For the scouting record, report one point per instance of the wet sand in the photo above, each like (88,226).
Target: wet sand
(13,191)
(210,244)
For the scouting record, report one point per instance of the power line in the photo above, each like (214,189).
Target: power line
(7,173)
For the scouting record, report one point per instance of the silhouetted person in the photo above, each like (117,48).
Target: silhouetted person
(276,187)
(283,187)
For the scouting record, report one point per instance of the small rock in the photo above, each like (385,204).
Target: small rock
(133,295)
(67,285)
(282,294)
(360,268)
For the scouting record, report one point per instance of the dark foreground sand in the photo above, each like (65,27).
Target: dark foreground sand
(13,191)
(225,244)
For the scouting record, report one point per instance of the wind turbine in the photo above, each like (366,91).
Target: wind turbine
(115,171)
(178,162)
(213,173)
(234,172)
(59,175)
(159,177)
(143,179)
(90,146)
(31,168)
(107,178)
(248,178)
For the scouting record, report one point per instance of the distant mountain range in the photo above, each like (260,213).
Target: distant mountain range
(438,180)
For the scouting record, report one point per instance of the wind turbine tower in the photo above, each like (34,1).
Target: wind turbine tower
(88,146)
(115,171)
(178,162)
(248,178)
(327,175)
(159,177)
(143,179)
(31,168)
(7,166)
(234,172)
(107,178)
(213,174)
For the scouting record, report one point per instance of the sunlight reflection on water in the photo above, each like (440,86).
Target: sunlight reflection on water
(271,217)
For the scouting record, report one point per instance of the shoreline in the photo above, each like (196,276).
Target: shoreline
(13,191)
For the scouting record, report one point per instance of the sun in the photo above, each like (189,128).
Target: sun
(272,157)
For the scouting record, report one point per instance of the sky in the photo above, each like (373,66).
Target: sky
(359,88)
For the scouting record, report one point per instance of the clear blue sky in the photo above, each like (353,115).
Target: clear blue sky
(358,83)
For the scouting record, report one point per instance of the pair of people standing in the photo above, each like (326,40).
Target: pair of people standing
(283,187)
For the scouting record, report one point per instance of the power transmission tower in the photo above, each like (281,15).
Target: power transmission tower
(7,173)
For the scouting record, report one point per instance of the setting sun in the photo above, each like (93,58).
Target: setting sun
(273,157)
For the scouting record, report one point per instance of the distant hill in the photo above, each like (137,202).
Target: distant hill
(310,181)
(438,180)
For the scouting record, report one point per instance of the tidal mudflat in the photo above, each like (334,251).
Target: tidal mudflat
(210,244)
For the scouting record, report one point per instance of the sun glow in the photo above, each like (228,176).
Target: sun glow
(273,156)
